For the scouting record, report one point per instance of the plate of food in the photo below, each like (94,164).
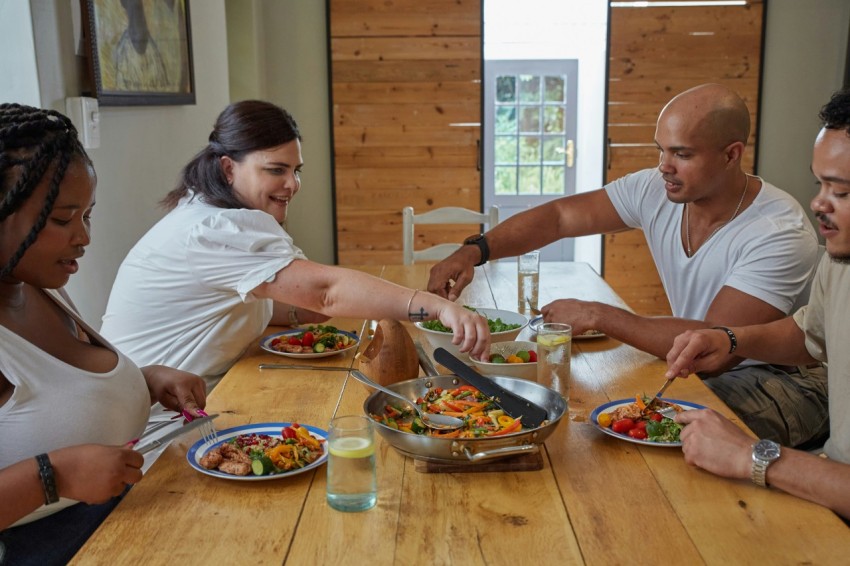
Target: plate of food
(315,341)
(262,451)
(537,321)
(628,419)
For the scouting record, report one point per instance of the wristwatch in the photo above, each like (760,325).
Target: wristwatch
(480,241)
(765,452)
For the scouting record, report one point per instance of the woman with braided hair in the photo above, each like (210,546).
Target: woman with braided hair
(70,403)
(207,280)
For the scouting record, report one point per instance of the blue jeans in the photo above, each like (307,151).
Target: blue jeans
(55,539)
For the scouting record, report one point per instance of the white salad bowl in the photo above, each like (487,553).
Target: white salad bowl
(526,370)
(439,339)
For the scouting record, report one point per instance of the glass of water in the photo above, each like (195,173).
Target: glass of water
(352,485)
(554,341)
(528,281)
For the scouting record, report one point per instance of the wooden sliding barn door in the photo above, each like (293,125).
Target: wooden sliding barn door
(655,53)
(406,95)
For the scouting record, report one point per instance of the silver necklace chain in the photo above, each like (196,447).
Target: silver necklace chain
(731,218)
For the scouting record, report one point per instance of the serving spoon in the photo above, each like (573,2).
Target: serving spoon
(431,420)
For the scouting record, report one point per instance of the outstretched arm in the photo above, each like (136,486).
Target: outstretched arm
(568,217)
(779,342)
(656,334)
(712,442)
(336,291)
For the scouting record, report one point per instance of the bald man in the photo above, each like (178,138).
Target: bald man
(731,249)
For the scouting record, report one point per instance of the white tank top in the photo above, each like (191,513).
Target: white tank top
(55,405)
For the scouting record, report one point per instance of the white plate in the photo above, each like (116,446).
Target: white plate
(265,344)
(537,321)
(200,448)
(610,406)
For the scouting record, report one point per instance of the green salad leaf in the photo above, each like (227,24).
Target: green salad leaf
(495,325)
(666,430)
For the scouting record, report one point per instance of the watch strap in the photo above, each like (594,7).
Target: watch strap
(481,242)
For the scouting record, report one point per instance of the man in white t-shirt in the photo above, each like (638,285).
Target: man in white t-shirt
(817,331)
(730,248)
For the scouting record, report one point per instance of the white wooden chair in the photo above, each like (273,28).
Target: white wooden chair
(445,215)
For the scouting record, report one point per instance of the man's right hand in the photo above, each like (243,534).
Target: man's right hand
(697,350)
(449,277)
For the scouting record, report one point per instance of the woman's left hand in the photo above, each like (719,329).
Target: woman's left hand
(175,389)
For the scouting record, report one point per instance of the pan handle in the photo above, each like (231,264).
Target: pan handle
(495,453)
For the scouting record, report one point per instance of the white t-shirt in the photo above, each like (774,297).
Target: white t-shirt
(56,405)
(826,324)
(182,296)
(768,251)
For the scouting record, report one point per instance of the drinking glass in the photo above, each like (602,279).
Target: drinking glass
(528,281)
(352,485)
(553,356)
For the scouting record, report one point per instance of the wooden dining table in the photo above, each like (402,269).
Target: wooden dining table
(596,499)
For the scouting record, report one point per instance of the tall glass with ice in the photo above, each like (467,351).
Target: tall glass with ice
(528,281)
(554,341)
(352,485)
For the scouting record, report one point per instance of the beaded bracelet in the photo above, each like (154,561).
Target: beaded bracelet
(48,479)
(733,340)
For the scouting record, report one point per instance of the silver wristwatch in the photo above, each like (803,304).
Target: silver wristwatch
(765,452)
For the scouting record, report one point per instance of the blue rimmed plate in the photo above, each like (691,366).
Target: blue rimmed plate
(538,320)
(265,344)
(200,448)
(612,405)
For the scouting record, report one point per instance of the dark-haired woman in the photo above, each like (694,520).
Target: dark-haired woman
(69,401)
(206,280)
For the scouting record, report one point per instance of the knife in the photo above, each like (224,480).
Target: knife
(154,444)
(294,366)
(657,396)
(514,406)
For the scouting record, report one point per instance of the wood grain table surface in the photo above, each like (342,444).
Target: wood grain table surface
(597,499)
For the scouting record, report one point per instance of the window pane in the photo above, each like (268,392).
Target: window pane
(529,149)
(505,181)
(553,150)
(553,180)
(555,90)
(529,89)
(553,119)
(506,88)
(506,149)
(529,120)
(529,180)
(506,120)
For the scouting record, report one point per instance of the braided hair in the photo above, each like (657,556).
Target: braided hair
(32,141)
(242,128)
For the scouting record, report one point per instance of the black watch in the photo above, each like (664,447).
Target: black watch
(480,241)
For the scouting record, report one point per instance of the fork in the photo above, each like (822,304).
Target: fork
(208,431)
(668,412)
(534,310)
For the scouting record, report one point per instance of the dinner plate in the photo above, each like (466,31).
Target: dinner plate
(265,344)
(538,320)
(200,448)
(610,406)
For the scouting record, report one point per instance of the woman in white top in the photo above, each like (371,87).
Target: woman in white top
(207,279)
(70,403)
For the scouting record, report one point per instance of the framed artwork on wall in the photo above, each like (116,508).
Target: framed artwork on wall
(139,51)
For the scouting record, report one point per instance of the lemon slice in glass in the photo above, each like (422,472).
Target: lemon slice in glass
(351,447)
(552,340)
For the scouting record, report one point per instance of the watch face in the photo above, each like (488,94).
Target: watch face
(767,450)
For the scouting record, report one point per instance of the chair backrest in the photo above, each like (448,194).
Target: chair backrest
(446,215)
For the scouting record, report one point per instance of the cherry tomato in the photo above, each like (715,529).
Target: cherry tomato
(288,432)
(623,425)
(532,356)
(656,417)
(308,339)
(294,341)
(641,425)
(638,433)
(274,342)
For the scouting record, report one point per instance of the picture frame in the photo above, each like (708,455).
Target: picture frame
(139,51)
